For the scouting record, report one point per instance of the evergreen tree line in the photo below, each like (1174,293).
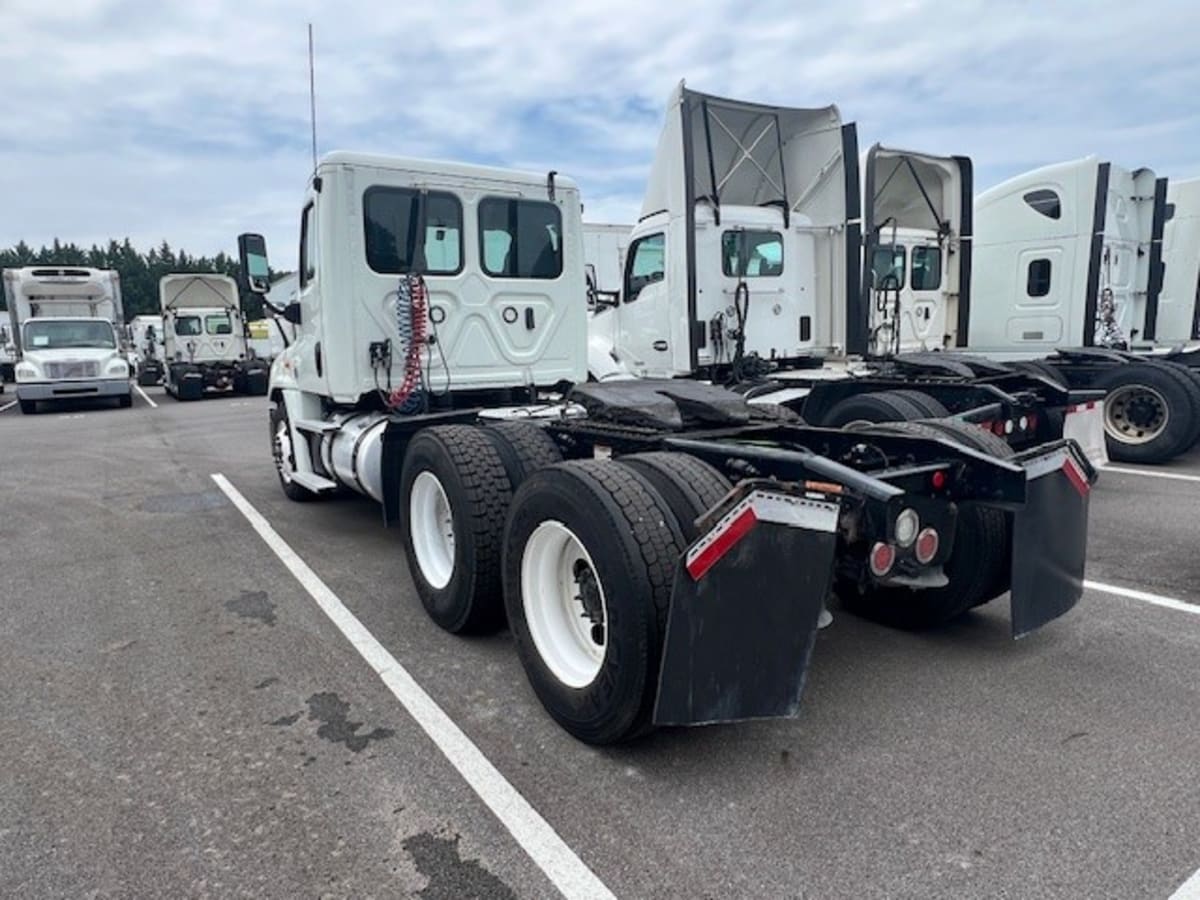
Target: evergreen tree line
(139,271)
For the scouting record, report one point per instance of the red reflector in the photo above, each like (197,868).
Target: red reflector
(882,557)
(927,545)
(1076,477)
(1033,420)
(998,429)
(938,480)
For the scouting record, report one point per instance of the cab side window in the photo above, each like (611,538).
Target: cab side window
(308,245)
(646,265)
(926,268)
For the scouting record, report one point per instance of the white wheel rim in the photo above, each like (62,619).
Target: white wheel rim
(431,525)
(1135,414)
(569,640)
(283,451)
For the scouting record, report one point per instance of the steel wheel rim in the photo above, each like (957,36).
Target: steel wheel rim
(284,460)
(569,640)
(431,524)
(1127,406)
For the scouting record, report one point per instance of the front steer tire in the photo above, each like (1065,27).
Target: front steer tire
(463,464)
(28,407)
(284,456)
(634,542)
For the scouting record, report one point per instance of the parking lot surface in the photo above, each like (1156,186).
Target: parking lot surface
(181,718)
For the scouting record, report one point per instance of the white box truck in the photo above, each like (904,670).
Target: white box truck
(69,335)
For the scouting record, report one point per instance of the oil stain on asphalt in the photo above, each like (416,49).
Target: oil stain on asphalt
(253,605)
(332,711)
(450,876)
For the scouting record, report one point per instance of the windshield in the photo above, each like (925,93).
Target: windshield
(46,335)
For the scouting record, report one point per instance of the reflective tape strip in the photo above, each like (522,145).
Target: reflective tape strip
(1060,461)
(794,512)
(1076,477)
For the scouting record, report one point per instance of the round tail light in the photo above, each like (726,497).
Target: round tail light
(927,546)
(882,557)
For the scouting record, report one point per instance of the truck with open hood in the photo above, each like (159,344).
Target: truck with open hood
(769,257)
(68,331)
(204,338)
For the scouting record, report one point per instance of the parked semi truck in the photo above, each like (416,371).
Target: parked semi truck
(204,338)
(1069,261)
(67,327)
(747,267)
(620,528)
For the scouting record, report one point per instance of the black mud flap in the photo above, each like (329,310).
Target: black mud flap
(744,610)
(1050,537)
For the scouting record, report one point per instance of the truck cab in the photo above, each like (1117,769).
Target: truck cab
(1068,255)
(204,338)
(916,251)
(69,335)
(741,250)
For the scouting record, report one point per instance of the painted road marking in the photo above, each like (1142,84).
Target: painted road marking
(9,405)
(1173,475)
(550,852)
(145,396)
(1189,890)
(1144,596)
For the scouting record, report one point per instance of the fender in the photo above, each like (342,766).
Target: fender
(603,362)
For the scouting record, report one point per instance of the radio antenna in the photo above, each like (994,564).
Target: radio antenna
(312,95)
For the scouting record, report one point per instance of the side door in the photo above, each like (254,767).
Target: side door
(311,361)
(643,330)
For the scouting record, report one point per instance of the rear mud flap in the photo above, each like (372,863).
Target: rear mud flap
(1050,539)
(744,611)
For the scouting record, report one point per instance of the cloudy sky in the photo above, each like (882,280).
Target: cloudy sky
(189,121)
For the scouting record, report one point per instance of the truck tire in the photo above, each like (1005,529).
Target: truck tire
(454,496)
(1191,383)
(1148,413)
(690,486)
(125,401)
(930,406)
(147,377)
(523,447)
(285,460)
(978,568)
(884,406)
(28,407)
(256,382)
(590,550)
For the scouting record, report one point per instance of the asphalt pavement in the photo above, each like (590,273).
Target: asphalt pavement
(182,719)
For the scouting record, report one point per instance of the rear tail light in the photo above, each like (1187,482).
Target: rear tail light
(927,546)
(883,556)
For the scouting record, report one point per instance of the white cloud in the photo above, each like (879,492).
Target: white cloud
(190,122)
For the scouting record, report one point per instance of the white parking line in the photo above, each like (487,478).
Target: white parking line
(550,852)
(145,396)
(1144,596)
(1121,470)
(9,405)
(1189,890)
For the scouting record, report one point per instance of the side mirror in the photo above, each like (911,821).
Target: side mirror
(252,254)
(291,312)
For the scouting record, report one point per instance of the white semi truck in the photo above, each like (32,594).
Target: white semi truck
(204,338)
(8,357)
(762,260)
(440,367)
(68,332)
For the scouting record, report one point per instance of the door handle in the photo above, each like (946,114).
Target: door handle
(660,346)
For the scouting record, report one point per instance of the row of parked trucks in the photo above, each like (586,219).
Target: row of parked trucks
(68,340)
(660,488)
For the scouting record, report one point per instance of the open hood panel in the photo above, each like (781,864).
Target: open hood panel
(178,292)
(730,153)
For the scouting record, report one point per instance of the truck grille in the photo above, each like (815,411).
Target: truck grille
(85,369)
